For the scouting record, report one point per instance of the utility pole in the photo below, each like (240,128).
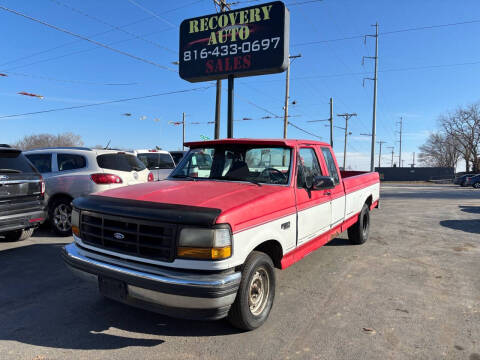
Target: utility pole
(287,95)
(347,116)
(380,152)
(391,147)
(400,153)
(218,101)
(183,125)
(375,79)
(331,122)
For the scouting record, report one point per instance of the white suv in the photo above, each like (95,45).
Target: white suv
(159,162)
(72,172)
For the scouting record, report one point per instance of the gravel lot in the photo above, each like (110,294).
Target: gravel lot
(411,292)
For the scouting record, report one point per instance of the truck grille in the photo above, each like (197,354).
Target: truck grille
(141,238)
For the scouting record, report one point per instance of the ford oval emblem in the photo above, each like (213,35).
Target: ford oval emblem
(119,236)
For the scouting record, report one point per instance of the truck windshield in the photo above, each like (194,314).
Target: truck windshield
(266,165)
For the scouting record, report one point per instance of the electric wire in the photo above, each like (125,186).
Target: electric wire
(105,102)
(88,39)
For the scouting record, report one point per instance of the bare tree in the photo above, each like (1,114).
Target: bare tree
(464,126)
(49,140)
(440,150)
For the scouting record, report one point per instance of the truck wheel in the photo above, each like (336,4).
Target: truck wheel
(476,185)
(19,235)
(358,233)
(60,214)
(256,293)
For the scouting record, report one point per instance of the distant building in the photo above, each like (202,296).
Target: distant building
(415,173)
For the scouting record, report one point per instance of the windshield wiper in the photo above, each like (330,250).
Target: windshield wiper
(233,179)
(179,176)
(10,171)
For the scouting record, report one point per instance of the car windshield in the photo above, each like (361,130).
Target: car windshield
(261,165)
(156,160)
(120,162)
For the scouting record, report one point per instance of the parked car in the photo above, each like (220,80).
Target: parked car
(159,162)
(462,180)
(177,155)
(205,244)
(473,181)
(22,191)
(72,172)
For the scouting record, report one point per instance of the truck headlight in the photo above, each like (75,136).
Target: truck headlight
(205,244)
(75,222)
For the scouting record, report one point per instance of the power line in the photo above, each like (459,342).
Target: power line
(112,26)
(87,39)
(152,13)
(100,33)
(71,81)
(418,28)
(105,102)
(305,131)
(72,53)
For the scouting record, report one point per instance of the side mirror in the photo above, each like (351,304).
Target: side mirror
(323,183)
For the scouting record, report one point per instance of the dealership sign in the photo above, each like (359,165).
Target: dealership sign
(243,42)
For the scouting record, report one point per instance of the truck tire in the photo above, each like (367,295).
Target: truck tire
(358,233)
(476,185)
(60,215)
(19,235)
(256,293)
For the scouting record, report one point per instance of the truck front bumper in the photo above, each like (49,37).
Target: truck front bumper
(177,293)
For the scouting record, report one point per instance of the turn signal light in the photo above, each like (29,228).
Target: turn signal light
(150,176)
(102,179)
(205,253)
(75,230)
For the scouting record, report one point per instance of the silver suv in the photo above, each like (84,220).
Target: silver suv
(73,172)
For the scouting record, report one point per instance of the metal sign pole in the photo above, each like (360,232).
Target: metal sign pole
(230,107)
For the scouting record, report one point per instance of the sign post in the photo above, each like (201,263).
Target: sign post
(242,42)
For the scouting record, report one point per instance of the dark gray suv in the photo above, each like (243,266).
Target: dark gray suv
(21,195)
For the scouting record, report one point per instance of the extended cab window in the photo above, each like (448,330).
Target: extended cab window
(308,165)
(332,169)
(43,162)
(70,162)
(236,162)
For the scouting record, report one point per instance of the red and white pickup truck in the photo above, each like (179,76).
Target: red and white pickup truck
(204,243)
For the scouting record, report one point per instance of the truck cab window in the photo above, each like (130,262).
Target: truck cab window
(308,165)
(332,169)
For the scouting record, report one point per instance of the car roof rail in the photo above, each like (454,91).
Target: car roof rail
(63,148)
(5,146)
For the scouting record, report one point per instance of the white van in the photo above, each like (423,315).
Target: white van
(159,162)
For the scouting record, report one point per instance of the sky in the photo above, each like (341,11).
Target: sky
(422,73)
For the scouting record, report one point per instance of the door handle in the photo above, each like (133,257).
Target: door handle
(327,193)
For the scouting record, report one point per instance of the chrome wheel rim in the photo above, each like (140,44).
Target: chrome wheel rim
(259,291)
(62,217)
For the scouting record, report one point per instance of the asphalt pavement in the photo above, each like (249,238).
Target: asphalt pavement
(411,292)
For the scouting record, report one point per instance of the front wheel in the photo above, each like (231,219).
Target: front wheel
(358,233)
(61,216)
(476,185)
(256,293)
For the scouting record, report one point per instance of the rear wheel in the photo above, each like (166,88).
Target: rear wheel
(358,233)
(60,214)
(19,235)
(256,293)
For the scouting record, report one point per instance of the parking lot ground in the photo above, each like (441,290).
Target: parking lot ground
(411,292)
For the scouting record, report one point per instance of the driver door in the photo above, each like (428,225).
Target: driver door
(313,206)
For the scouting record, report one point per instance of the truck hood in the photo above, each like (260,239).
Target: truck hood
(239,203)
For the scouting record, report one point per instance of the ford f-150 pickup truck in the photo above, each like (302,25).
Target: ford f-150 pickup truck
(204,243)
